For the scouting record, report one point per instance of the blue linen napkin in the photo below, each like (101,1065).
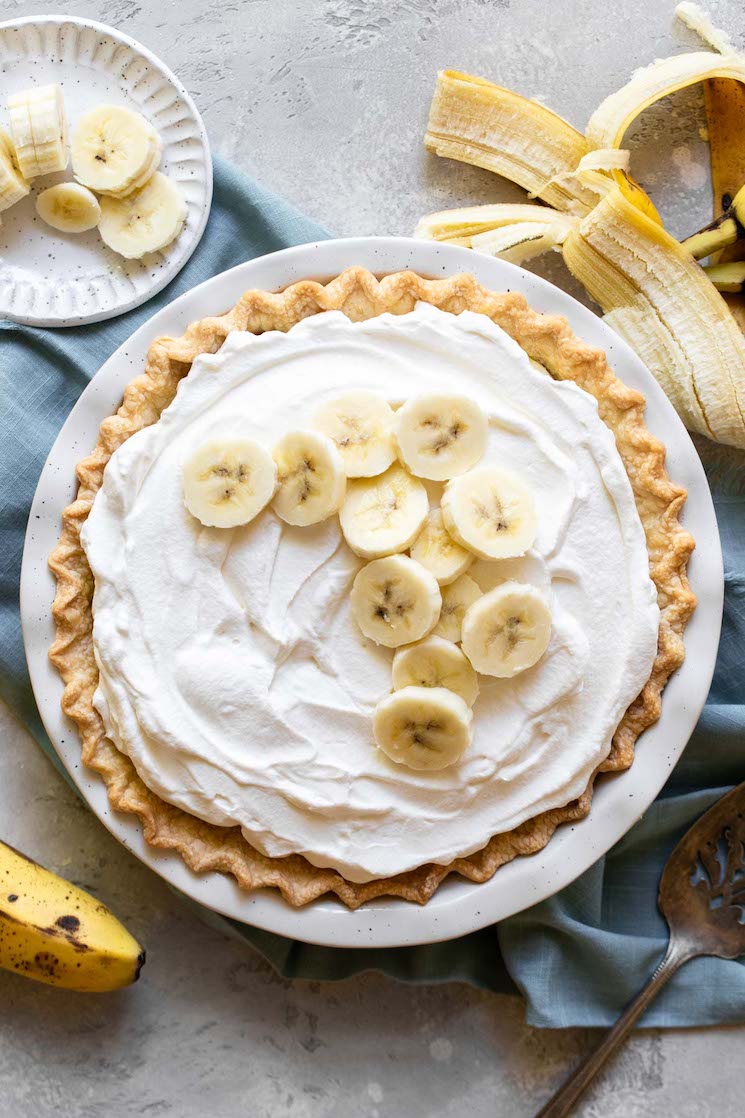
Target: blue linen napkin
(577,957)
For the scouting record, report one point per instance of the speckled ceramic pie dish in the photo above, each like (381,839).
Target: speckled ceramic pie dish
(208,846)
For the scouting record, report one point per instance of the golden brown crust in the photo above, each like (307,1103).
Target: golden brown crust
(356,292)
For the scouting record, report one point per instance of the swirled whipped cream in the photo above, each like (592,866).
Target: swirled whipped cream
(231,671)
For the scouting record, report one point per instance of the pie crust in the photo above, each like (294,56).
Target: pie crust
(360,295)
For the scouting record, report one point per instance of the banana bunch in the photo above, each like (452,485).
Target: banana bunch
(54,932)
(367,464)
(685,322)
(115,154)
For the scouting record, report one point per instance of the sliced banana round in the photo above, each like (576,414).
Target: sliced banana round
(383,515)
(395,601)
(423,727)
(311,478)
(491,512)
(68,206)
(360,423)
(227,482)
(440,436)
(507,630)
(456,598)
(436,550)
(145,221)
(114,150)
(435,662)
(13,185)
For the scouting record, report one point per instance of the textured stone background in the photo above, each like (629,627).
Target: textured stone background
(325,100)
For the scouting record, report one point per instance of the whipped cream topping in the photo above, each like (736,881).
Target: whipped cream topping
(231,670)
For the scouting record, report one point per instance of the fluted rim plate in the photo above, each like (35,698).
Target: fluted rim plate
(49,278)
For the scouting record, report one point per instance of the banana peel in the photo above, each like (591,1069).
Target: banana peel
(728,278)
(650,287)
(724,102)
(515,232)
(478,122)
(698,331)
(611,120)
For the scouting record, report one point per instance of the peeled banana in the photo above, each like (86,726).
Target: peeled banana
(425,728)
(507,630)
(13,185)
(55,933)
(395,601)
(228,482)
(311,481)
(360,423)
(383,515)
(456,599)
(114,150)
(436,550)
(115,153)
(435,662)
(144,221)
(649,285)
(68,206)
(37,121)
(490,512)
(440,436)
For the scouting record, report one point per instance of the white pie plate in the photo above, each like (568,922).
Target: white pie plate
(458,906)
(48,278)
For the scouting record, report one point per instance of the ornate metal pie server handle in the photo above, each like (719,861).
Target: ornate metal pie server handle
(562,1102)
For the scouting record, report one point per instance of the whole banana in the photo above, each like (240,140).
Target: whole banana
(56,933)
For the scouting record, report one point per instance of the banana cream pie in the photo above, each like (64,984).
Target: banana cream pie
(366,582)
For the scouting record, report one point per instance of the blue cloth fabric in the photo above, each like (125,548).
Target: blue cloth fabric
(577,957)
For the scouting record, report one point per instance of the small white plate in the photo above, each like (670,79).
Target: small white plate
(458,906)
(48,278)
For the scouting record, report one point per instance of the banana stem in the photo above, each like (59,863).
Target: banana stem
(729,278)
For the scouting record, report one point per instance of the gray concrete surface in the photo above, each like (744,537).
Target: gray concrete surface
(325,101)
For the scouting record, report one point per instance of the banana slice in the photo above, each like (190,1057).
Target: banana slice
(436,550)
(507,630)
(145,221)
(490,512)
(423,727)
(435,662)
(384,514)
(227,482)
(23,137)
(114,150)
(13,186)
(395,601)
(440,436)
(456,598)
(361,425)
(311,478)
(69,206)
(37,122)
